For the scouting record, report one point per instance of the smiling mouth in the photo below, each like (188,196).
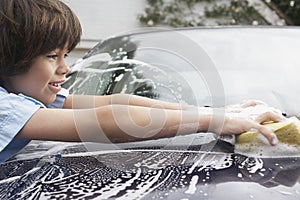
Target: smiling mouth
(55,84)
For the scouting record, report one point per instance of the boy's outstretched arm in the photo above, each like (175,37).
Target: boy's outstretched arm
(89,101)
(111,123)
(123,123)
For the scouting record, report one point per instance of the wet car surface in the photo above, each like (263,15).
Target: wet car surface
(213,67)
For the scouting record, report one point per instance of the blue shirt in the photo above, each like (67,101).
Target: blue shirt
(15,111)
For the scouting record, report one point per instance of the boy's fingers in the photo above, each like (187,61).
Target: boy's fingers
(268,133)
(270,116)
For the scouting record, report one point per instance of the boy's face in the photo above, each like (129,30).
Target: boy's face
(43,80)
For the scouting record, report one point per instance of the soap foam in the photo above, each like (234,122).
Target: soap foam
(266,150)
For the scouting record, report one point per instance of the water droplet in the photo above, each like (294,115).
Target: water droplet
(240,175)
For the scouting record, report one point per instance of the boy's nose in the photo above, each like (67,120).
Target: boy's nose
(63,68)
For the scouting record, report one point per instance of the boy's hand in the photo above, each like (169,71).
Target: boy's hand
(236,125)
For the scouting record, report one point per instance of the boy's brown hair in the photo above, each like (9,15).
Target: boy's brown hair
(30,28)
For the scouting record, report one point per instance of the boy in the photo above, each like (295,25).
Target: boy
(36,36)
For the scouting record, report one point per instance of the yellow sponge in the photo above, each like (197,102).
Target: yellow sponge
(287,132)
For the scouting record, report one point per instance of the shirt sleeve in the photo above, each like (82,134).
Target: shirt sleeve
(15,111)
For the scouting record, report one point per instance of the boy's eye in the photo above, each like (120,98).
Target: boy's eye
(54,56)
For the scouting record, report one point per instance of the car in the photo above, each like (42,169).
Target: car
(205,66)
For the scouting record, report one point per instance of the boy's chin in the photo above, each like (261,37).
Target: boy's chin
(47,101)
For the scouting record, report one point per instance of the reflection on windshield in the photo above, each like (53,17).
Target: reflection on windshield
(110,70)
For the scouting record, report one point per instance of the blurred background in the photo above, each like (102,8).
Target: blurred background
(105,18)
